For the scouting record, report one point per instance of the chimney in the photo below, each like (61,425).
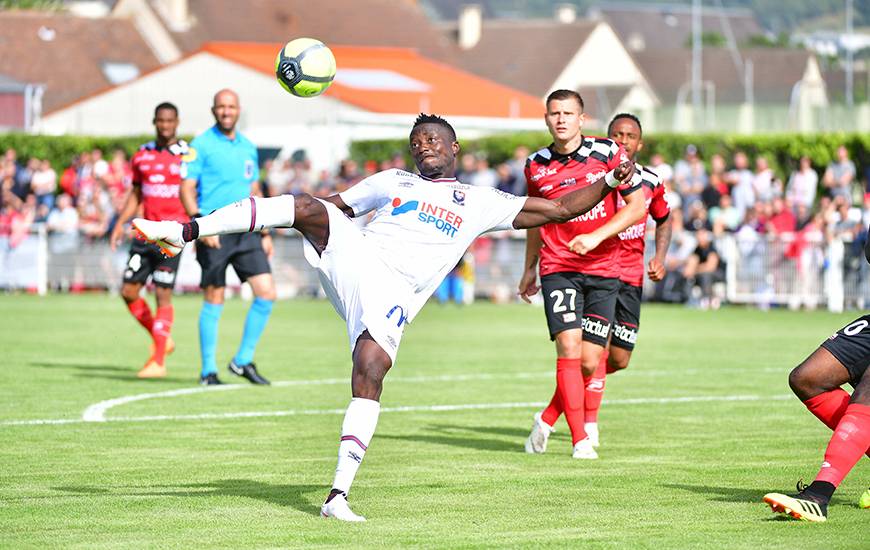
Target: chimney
(176,13)
(470,26)
(566,13)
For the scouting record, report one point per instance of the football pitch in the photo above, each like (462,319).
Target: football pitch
(699,428)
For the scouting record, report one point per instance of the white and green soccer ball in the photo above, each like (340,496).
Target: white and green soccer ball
(305,67)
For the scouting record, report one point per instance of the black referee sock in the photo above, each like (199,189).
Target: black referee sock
(190,231)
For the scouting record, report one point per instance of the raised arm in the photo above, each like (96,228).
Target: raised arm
(537,211)
(131,206)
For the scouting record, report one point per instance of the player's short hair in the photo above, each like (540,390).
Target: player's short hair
(629,116)
(165,105)
(562,95)
(434,119)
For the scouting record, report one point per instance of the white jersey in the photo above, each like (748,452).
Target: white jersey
(422,227)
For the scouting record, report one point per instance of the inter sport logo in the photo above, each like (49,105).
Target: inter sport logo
(399,208)
(444,220)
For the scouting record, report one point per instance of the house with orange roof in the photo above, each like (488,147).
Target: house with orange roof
(377,93)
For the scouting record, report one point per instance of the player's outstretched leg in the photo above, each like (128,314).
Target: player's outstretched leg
(822,374)
(244,216)
(370,366)
(817,383)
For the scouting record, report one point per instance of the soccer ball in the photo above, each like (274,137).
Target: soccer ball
(305,67)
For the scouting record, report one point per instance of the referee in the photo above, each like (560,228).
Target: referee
(221,168)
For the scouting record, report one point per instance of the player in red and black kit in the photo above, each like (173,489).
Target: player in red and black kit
(818,382)
(156,184)
(626,130)
(578,268)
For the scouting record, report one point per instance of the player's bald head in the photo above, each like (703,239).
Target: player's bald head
(225,96)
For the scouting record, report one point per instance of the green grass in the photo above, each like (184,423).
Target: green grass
(687,474)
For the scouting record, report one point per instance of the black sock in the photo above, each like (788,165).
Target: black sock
(190,231)
(822,489)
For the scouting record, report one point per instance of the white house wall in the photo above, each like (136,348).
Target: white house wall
(190,84)
(270,117)
(600,61)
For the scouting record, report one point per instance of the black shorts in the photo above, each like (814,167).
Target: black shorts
(244,251)
(146,259)
(575,300)
(851,346)
(626,320)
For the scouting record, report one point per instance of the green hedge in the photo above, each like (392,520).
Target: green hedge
(781,150)
(59,150)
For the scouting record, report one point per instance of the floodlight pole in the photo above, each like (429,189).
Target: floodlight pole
(850,98)
(696,63)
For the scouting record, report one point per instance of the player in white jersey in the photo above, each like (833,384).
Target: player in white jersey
(379,277)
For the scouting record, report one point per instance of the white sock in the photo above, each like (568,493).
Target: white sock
(237,217)
(591,429)
(357,430)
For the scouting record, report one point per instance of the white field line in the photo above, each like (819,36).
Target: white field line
(97,411)
(419,408)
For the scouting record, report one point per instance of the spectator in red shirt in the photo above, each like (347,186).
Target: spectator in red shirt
(782,219)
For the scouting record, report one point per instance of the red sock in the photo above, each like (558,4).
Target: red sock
(555,409)
(140,310)
(829,407)
(851,440)
(160,332)
(594,390)
(569,384)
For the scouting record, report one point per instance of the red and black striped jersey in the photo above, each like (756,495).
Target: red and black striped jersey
(157,171)
(632,239)
(551,175)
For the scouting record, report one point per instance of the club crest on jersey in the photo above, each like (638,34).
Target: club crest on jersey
(459,197)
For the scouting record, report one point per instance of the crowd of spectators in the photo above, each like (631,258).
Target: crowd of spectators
(709,197)
(83,201)
(790,215)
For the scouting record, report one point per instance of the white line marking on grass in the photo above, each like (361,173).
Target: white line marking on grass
(415,408)
(97,411)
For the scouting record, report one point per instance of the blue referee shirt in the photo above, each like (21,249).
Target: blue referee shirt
(224,169)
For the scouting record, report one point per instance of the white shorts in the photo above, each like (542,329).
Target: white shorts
(362,289)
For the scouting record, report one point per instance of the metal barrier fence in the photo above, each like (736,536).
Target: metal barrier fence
(763,270)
